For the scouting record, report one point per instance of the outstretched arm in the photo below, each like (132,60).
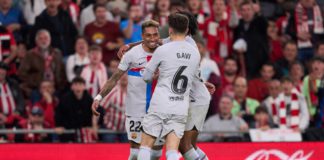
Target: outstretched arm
(109,85)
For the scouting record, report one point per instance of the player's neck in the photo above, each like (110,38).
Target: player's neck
(177,37)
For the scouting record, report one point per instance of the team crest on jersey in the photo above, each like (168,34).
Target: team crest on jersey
(134,135)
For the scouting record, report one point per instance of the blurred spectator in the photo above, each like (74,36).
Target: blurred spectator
(311,84)
(131,27)
(114,118)
(11,98)
(258,88)
(74,112)
(207,66)
(274,88)
(308,27)
(7,48)
(161,12)
(88,14)
(196,8)
(319,50)
(175,6)
(217,30)
(42,62)
(104,33)
(112,67)
(60,26)
(12,18)
(3,119)
(31,9)
(94,74)
(78,60)
(73,10)
(243,106)
(270,8)
(289,108)
(222,122)
(289,56)
(119,8)
(47,101)
(296,72)
(274,41)
(35,121)
(320,93)
(282,21)
(262,119)
(253,29)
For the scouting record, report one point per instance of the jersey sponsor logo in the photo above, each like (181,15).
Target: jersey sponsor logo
(270,154)
(134,135)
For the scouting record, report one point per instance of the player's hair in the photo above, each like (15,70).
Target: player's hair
(78,80)
(95,48)
(193,24)
(96,6)
(269,64)
(292,42)
(179,23)
(150,23)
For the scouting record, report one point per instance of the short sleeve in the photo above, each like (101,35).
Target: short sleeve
(125,62)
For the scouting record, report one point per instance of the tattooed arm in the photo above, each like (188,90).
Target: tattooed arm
(109,85)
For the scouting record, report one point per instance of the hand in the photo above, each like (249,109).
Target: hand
(47,96)
(122,50)
(94,107)
(59,130)
(13,27)
(94,132)
(211,88)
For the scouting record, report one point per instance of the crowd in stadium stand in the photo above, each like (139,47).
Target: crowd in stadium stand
(265,57)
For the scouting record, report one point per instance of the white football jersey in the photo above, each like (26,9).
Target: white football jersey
(138,92)
(199,95)
(178,63)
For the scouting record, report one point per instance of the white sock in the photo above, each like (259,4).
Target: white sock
(156,154)
(191,155)
(133,154)
(144,153)
(202,154)
(172,155)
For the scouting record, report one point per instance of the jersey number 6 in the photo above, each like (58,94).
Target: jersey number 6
(182,79)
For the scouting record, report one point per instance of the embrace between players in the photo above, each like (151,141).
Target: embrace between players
(166,100)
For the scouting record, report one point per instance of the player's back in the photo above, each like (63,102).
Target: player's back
(179,62)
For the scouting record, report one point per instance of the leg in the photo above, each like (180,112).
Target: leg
(134,149)
(187,147)
(156,153)
(172,145)
(146,145)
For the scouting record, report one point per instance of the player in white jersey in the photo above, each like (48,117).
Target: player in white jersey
(137,102)
(199,102)
(177,63)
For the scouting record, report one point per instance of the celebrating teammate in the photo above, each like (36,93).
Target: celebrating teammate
(137,102)
(178,63)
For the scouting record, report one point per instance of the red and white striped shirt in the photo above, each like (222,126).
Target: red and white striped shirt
(95,78)
(114,105)
(7,102)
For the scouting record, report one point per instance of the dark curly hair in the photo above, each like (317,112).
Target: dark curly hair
(193,24)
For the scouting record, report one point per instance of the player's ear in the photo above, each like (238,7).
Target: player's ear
(187,30)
